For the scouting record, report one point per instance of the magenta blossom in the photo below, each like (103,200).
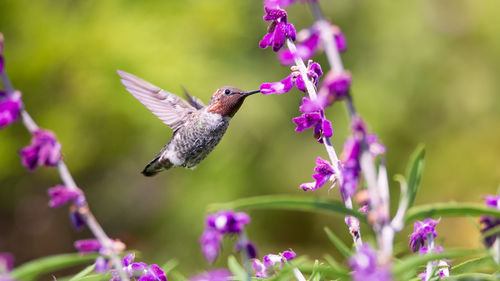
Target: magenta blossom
(365,266)
(335,86)
(10,106)
(139,271)
(278,31)
(323,173)
(279,87)
(313,116)
(313,73)
(267,267)
(60,195)
(421,230)
(43,150)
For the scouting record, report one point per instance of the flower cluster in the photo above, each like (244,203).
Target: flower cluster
(43,150)
(366,267)
(309,43)
(139,271)
(422,230)
(220,224)
(279,29)
(335,86)
(490,222)
(313,72)
(267,267)
(220,274)
(323,173)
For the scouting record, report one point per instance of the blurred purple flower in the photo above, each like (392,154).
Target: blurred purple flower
(335,86)
(339,38)
(365,267)
(313,116)
(425,250)
(60,195)
(269,263)
(248,247)
(279,87)
(10,106)
(139,271)
(323,173)
(313,73)
(220,274)
(278,31)
(305,48)
(44,150)
(422,229)
(85,246)
(218,225)
(6,262)
(101,265)
(76,219)
(490,222)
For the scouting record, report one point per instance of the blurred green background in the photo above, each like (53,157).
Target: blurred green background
(424,71)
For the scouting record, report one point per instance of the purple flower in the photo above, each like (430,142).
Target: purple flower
(323,173)
(365,266)
(248,247)
(218,225)
(313,117)
(313,73)
(421,230)
(278,29)
(306,48)
(44,150)
(139,271)
(210,242)
(220,274)
(335,86)
(490,222)
(6,261)
(93,245)
(280,87)
(60,195)
(339,38)
(10,105)
(101,265)
(269,263)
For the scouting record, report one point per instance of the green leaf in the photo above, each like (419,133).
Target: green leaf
(83,273)
(473,264)
(32,269)
(451,209)
(238,271)
(170,265)
(414,172)
(335,265)
(343,249)
(473,276)
(284,202)
(410,263)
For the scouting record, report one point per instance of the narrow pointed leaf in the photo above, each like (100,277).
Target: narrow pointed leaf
(472,276)
(414,173)
(281,202)
(238,271)
(32,269)
(451,209)
(170,265)
(86,271)
(343,249)
(485,262)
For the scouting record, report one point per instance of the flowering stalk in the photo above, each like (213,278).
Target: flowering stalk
(82,209)
(430,244)
(352,222)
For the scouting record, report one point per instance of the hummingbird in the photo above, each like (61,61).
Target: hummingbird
(197,128)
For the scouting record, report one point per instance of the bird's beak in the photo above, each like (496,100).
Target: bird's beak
(250,93)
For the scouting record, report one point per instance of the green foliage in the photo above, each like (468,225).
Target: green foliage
(414,173)
(451,209)
(238,270)
(80,275)
(343,249)
(32,269)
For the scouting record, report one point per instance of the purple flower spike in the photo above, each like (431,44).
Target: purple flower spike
(85,246)
(44,150)
(10,106)
(60,195)
(221,274)
(365,266)
(420,232)
(279,88)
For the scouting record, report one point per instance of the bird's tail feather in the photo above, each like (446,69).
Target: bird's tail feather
(155,166)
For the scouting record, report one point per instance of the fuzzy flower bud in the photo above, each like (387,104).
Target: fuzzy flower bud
(60,195)
(421,230)
(335,86)
(279,29)
(10,106)
(44,150)
(323,173)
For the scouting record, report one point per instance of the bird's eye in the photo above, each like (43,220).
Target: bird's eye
(227,91)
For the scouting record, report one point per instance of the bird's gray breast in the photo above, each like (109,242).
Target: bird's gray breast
(199,135)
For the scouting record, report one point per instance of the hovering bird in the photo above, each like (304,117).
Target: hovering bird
(197,128)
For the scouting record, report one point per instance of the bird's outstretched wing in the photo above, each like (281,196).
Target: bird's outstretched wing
(194,101)
(171,109)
